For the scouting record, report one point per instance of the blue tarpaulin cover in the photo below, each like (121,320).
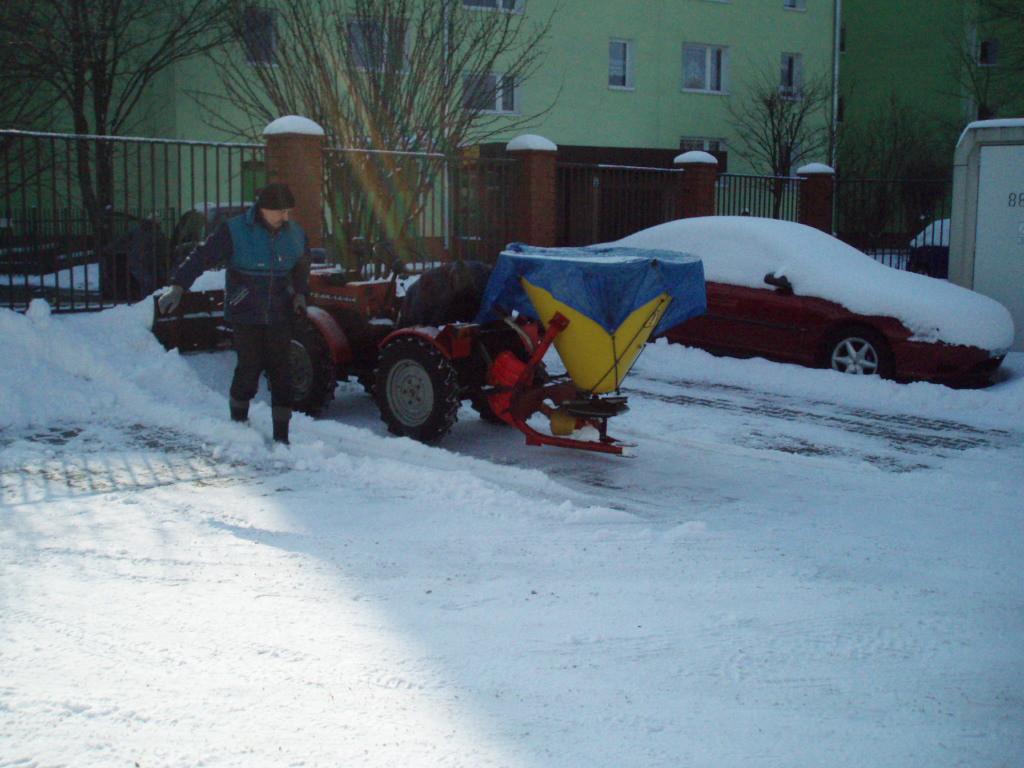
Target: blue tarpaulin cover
(605,283)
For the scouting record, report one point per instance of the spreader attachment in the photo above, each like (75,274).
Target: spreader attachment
(598,307)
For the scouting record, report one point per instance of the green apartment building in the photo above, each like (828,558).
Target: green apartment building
(925,68)
(618,74)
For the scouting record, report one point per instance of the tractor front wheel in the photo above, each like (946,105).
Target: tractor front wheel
(416,389)
(313,373)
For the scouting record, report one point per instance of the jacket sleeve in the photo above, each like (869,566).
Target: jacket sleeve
(300,272)
(217,250)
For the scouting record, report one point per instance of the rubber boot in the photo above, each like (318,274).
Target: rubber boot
(239,409)
(281,415)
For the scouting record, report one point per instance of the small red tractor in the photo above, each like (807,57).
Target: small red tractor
(357,328)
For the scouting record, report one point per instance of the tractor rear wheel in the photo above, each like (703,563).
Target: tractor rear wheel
(313,374)
(416,389)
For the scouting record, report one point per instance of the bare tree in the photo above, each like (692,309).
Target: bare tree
(988,58)
(781,126)
(418,76)
(96,60)
(892,172)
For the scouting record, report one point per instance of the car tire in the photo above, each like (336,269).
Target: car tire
(858,350)
(416,389)
(313,373)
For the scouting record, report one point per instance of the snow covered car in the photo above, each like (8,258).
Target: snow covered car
(791,293)
(929,250)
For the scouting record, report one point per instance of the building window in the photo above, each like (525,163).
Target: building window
(704,68)
(791,75)
(374,47)
(489,93)
(988,53)
(259,35)
(620,63)
(840,109)
(794,5)
(842,38)
(701,144)
(495,5)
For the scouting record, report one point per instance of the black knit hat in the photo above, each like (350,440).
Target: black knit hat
(275,197)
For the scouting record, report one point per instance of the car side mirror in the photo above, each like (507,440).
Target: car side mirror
(781,284)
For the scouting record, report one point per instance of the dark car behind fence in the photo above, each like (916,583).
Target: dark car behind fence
(903,223)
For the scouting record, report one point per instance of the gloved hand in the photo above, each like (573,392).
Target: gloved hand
(299,304)
(169,300)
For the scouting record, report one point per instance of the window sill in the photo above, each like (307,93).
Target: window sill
(704,92)
(628,88)
(485,9)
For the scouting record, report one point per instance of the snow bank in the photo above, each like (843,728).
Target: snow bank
(107,367)
(741,250)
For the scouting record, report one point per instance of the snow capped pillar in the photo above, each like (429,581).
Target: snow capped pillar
(695,192)
(294,156)
(537,191)
(817,186)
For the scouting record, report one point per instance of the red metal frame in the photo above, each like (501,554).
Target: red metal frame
(526,399)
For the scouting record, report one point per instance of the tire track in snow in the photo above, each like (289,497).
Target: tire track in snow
(905,442)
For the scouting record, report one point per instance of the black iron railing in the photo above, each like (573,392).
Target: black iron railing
(600,203)
(425,207)
(91,221)
(773,197)
(903,223)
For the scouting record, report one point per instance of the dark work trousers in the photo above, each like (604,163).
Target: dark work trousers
(263,348)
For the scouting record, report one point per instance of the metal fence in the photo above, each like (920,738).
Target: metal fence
(419,207)
(91,221)
(599,203)
(774,197)
(903,223)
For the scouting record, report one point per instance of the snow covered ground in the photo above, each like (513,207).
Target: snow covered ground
(799,568)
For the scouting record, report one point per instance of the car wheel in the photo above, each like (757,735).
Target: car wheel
(313,373)
(858,351)
(417,390)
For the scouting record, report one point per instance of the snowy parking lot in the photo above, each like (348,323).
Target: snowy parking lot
(796,568)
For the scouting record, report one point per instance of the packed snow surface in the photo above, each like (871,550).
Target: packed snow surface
(799,568)
(741,250)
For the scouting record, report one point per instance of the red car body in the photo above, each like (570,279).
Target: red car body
(777,324)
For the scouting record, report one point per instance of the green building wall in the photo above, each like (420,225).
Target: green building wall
(655,113)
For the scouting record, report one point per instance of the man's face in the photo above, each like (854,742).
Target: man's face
(275,219)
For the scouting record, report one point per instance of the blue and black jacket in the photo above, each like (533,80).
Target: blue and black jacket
(265,270)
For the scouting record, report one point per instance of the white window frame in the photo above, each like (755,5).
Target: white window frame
(271,46)
(795,89)
(500,92)
(503,6)
(629,84)
(709,56)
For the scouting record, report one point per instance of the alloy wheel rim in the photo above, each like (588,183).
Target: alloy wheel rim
(855,356)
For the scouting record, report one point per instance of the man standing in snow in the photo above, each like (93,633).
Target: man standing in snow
(267,260)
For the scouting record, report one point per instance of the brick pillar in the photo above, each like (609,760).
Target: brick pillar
(817,186)
(537,193)
(294,156)
(695,190)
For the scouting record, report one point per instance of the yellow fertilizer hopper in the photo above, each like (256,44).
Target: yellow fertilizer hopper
(598,306)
